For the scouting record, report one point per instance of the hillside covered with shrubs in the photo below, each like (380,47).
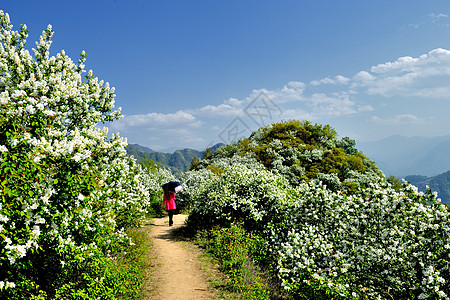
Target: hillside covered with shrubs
(301,151)
(330,225)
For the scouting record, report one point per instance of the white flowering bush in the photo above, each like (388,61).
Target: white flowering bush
(377,244)
(343,232)
(240,194)
(154,178)
(301,151)
(193,182)
(67,190)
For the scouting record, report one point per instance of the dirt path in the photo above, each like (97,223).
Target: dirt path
(178,273)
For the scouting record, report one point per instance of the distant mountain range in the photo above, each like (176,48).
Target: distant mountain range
(396,155)
(402,156)
(178,161)
(439,183)
(421,161)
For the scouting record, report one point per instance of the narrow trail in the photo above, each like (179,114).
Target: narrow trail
(178,274)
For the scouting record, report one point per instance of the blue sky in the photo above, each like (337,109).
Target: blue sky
(195,73)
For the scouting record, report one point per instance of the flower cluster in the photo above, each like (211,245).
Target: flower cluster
(154,177)
(238,194)
(376,243)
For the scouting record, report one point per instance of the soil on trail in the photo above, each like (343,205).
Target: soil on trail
(178,274)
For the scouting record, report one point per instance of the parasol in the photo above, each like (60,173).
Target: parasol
(172,186)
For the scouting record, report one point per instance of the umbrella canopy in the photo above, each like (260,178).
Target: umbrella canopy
(172,186)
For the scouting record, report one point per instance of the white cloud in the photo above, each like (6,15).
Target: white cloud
(362,78)
(415,26)
(437,17)
(298,114)
(338,105)
(423,76)
(151,120)
(341,79)
(407,78)
(322,81)
(296,98)
(233,107)
(221,110)
(161,132)
(407,119)
(435,62)
(336,80)
(298,85)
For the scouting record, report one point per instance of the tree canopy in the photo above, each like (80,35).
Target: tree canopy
(303,151)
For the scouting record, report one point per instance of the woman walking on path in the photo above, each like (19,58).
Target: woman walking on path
(169,205)
(170,189)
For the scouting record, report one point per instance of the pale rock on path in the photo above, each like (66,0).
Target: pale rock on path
(178,274)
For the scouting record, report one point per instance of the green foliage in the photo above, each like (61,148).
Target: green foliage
(138,152)
(215,170)
(302,151)
(208,153)
(103,278)
(194,163)
(235,250)
(396,183)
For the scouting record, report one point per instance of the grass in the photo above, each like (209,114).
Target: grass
(218,281)
(140,254)
(227,259)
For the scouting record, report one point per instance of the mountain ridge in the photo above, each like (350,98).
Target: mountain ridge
(177,162)
(439,183)
(402,156)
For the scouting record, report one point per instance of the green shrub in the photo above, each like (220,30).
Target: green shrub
(301,151)
(234,248)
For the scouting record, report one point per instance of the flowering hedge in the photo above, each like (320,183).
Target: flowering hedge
(193,183)
(239,194)
(375,242)
(68,191)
